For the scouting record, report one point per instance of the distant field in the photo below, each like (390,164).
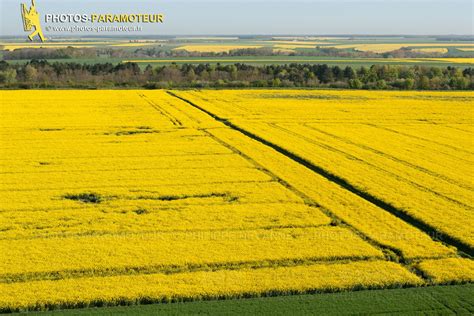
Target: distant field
(270,60)
(214,48)
(441,50)
(383,48)
(227,45)
(78,44)
(440,62)
(286,46)
(223,44)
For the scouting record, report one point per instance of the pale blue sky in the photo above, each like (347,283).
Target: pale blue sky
(196,17)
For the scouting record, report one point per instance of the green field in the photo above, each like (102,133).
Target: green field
(263,60)
(440,300)
(272,60)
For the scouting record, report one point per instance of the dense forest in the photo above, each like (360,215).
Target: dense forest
(44,74)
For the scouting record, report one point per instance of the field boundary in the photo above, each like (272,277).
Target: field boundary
(433,299)
(175,269)
(432,232)
(387,250)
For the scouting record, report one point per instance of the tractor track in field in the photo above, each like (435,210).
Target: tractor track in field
(177,269)
(370,164)
(441,144)
(432,232)
(163,112)
(406,163)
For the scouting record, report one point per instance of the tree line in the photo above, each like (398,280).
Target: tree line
(160,52)
(45,74)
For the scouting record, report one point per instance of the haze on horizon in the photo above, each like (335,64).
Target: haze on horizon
(269,17)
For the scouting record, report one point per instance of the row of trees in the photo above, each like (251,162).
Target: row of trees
(160,52)
(43,74)
(66,53)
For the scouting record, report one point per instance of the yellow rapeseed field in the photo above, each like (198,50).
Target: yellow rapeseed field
(382,227)
(452,60)
(132,289)
(448,271)
(383,48)
(125,197)
(350,135)
(283,50)
(440,50)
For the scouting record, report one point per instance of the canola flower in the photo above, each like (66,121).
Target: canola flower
(395,168)
(91,291)
(102,189)
(373,222)
(154,217)
(448,271)
(179,250)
